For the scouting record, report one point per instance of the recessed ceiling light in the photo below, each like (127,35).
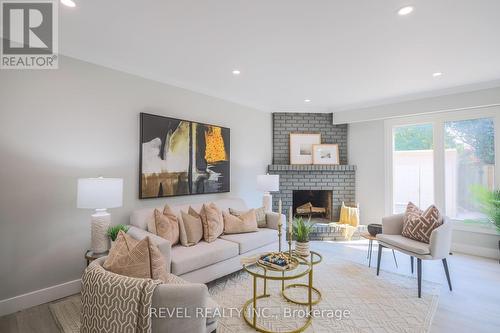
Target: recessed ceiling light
(405,10)
(236,72)
(68,3)
(307,100)
(437,74)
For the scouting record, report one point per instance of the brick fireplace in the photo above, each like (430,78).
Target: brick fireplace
(335,183)
(313,203)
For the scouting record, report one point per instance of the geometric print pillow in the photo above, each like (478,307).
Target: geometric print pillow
(418,224)
(134,258)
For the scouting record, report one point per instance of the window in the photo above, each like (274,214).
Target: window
(413,166)
(469,164)
(447,159)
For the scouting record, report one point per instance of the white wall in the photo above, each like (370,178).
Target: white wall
(366,151)
(82,121)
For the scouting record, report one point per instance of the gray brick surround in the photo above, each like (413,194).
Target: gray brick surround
(286,123)
(340,179)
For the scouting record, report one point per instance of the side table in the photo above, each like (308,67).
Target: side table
(91,256)
(314,259)
(370,248)
(299,268)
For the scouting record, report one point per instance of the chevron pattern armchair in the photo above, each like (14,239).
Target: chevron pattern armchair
(437,249)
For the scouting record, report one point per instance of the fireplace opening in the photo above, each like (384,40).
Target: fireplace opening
(313,203)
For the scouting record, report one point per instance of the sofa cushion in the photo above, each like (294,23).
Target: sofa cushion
(213,222)
(260,215)
(240,224)
(165,225)
(141,217)
(253,240)
(404,243)
(134,258)
(191,227)
(187,259)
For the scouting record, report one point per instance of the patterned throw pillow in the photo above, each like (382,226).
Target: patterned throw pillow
(165,225)
(260,215)
(191,227)
(240,224)
(418,224)
(213,222)
(138,259)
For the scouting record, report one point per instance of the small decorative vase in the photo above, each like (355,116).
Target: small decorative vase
(302,249)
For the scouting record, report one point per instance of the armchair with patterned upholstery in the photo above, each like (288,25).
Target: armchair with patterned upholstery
(180,294)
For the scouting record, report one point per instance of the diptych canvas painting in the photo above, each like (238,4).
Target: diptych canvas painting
(180,157)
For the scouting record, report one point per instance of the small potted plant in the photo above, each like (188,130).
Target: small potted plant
(301,231)
(114,230)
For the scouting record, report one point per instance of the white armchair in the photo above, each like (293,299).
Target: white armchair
(438,248)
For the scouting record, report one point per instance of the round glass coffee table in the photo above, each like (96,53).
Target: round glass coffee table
(300,267)
(314,259)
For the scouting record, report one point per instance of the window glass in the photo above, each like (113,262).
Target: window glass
(469,166)
(413,166)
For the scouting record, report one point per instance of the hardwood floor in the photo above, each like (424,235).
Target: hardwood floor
(472,306)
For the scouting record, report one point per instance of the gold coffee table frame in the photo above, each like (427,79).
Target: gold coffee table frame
(314,259)
(303,268)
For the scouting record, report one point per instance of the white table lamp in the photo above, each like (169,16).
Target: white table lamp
(268,183)
(100,194)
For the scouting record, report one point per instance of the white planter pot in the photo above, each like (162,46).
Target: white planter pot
(302,249)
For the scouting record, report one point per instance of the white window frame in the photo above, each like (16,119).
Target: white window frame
(438,120)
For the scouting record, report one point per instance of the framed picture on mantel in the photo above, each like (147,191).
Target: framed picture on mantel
(326,154)
(301,147)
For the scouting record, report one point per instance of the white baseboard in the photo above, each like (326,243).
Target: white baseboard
(476,250)
(37,297)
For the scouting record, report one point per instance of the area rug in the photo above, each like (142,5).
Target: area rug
(354,300)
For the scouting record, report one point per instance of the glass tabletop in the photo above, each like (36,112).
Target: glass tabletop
(314,258)
(299,267)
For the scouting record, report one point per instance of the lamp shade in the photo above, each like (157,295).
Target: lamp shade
(100,193)
(268,183)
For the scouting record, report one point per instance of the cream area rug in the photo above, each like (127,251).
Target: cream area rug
(354,300)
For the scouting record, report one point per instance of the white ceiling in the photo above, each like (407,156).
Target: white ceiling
(340,54)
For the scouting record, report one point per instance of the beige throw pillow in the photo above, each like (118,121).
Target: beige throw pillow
(133,258)
(191,227)
(240,224)
(260,215)
(418,224)
(213,222)
(165,225)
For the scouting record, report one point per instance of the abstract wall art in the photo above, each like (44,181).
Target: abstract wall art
(180,157)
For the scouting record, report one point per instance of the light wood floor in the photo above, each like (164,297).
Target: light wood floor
(473,306)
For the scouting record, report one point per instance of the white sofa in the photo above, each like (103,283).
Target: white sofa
(204,261)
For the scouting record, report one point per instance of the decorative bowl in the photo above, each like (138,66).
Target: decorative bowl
(374,229)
